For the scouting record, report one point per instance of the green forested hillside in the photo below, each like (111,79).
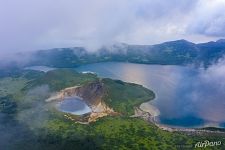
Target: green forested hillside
(180,52)
(28,122)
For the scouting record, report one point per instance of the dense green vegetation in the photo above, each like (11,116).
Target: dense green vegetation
(62,78)
(115,133)
(9,86)
(28,122)
(123,97)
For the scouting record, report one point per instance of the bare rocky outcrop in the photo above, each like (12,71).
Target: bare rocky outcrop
(92,94)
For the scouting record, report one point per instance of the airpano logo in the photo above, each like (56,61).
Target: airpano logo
(207,143)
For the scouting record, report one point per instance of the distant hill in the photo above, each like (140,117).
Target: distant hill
(180,52)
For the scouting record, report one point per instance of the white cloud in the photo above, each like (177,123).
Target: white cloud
(209,19)
(40,24)
(208,93)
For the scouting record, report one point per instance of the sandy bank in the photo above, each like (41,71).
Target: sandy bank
(149,113)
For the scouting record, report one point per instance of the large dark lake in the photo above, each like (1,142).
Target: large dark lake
(185,96)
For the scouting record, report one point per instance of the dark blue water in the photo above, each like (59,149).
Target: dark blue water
(186,96)
(73,105)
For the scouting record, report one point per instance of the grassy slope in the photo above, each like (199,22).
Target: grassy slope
(62,78)
(123,97)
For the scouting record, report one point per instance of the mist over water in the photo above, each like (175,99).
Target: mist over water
(185,96)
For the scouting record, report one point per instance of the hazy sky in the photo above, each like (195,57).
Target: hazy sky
(39,24)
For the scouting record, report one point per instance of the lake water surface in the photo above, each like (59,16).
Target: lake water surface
(40,68)
(73,105)
(185,96)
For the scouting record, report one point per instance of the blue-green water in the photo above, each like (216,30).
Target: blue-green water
(73,105)
(186,96)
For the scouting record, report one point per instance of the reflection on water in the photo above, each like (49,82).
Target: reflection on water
(73,105)
(185,96)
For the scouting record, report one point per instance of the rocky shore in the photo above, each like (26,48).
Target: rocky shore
(150,113)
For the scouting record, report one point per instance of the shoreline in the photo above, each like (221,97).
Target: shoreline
(149,113)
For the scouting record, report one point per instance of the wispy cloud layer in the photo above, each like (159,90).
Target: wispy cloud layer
(40,24)
(208,95)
